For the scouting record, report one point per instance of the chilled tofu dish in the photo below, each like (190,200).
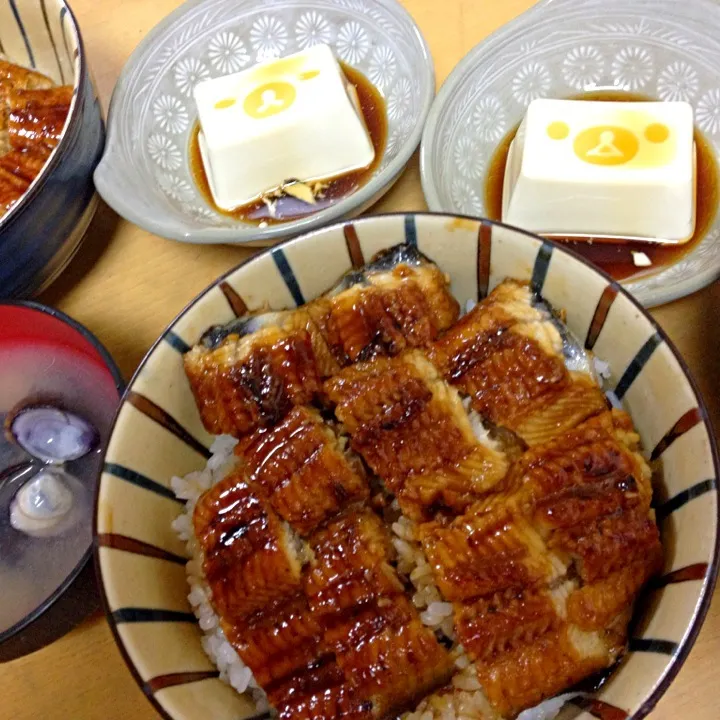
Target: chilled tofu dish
(33,112)
(628,183)
(603,170)
(409,513)
(286,128)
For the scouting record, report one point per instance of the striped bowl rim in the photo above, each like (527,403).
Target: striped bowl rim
(73,118)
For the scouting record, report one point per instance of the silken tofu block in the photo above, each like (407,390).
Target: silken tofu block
(295,117)
(587,168)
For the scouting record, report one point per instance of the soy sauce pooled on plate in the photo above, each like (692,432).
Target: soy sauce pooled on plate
(287,207)
(617,257)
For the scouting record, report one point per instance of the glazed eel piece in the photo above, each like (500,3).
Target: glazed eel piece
(323,624)
(543,567)
(532,558)
(299,566)
(542,563)
(411,429)
(13,78)
(543,575)
(518,365)
(247,374)
(32,118)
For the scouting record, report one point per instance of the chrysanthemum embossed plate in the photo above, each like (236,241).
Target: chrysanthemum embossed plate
(145,174)
(662,49)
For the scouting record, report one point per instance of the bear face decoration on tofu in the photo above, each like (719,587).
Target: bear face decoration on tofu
(293,117)
(603,169)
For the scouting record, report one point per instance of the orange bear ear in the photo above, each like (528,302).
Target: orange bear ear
(558,130)
(657,133)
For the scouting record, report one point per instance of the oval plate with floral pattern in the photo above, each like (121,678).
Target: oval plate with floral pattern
(145,174)
(661,48)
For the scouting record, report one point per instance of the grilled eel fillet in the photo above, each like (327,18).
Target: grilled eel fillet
(37,117)
(326,630)
(507,356)
(410,427)
(405,307)
(300,467)
(14,77)
(541,561)
(21,78)
(577,507)
(254,381)
(18,168)
(32,117)
(242,383)
(251,557)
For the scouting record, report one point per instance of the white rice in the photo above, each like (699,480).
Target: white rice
(465,701)
(412,564)
(548,709)
(602,369)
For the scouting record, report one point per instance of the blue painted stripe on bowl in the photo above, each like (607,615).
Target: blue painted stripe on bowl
(636,365)
(684,497)
(63,15)
(541,267)
(21,27)
(136,478)
(663,647)
(281,261)
(176,342)
(410,230)
(143,615)
(46,19)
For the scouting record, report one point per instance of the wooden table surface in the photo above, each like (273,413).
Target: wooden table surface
(126,286)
